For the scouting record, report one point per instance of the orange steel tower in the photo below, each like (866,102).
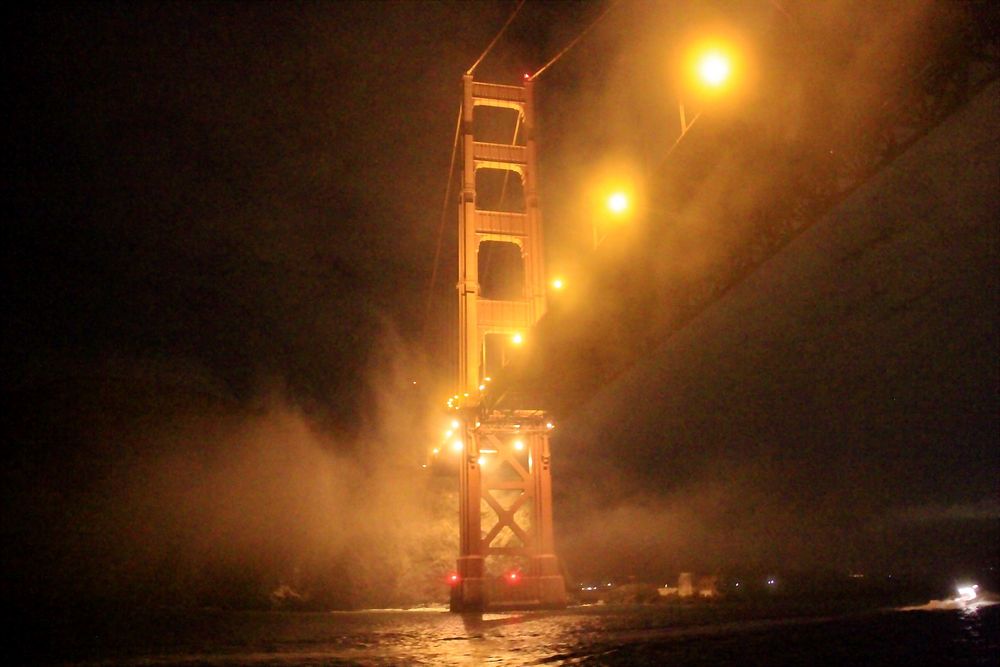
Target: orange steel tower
(506,557)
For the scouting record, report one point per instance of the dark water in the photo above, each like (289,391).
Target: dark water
(774,633)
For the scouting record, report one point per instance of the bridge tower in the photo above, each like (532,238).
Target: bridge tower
(506,553)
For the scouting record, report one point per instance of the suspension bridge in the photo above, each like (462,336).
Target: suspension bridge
(506,390)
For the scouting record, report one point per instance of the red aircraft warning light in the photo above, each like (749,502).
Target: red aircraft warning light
(453,579)
(512,577)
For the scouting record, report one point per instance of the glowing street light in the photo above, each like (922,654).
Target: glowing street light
(517,339)
(711,69)
(557,284)
(617,204)
(714,68)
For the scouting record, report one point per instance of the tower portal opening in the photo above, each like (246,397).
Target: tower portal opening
(499,190)
(501,271)
(498,125)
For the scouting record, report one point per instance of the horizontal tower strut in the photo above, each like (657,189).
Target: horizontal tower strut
(500,156)
(501,222)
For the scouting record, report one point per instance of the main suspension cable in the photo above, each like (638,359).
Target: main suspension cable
(495,39)
(575,41)
(444,218)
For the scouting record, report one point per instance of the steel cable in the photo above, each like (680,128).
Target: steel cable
(444,218)
(575,41)
(495,39)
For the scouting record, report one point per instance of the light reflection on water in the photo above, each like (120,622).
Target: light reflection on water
(711,634)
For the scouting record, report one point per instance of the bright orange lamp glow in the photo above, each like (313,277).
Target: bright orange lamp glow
(714,68)
(617,202)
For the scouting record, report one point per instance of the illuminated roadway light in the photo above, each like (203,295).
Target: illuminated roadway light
(518,445)
(481,387)
(457,446)
(618,202)
(481,460)
(454,423)
(487,379)
(557,284)
(435,451)
(549,425)
(517,339)
(714,68)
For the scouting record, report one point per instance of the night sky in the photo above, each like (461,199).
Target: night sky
(223,225)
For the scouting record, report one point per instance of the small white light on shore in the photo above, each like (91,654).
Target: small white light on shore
(967,593)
